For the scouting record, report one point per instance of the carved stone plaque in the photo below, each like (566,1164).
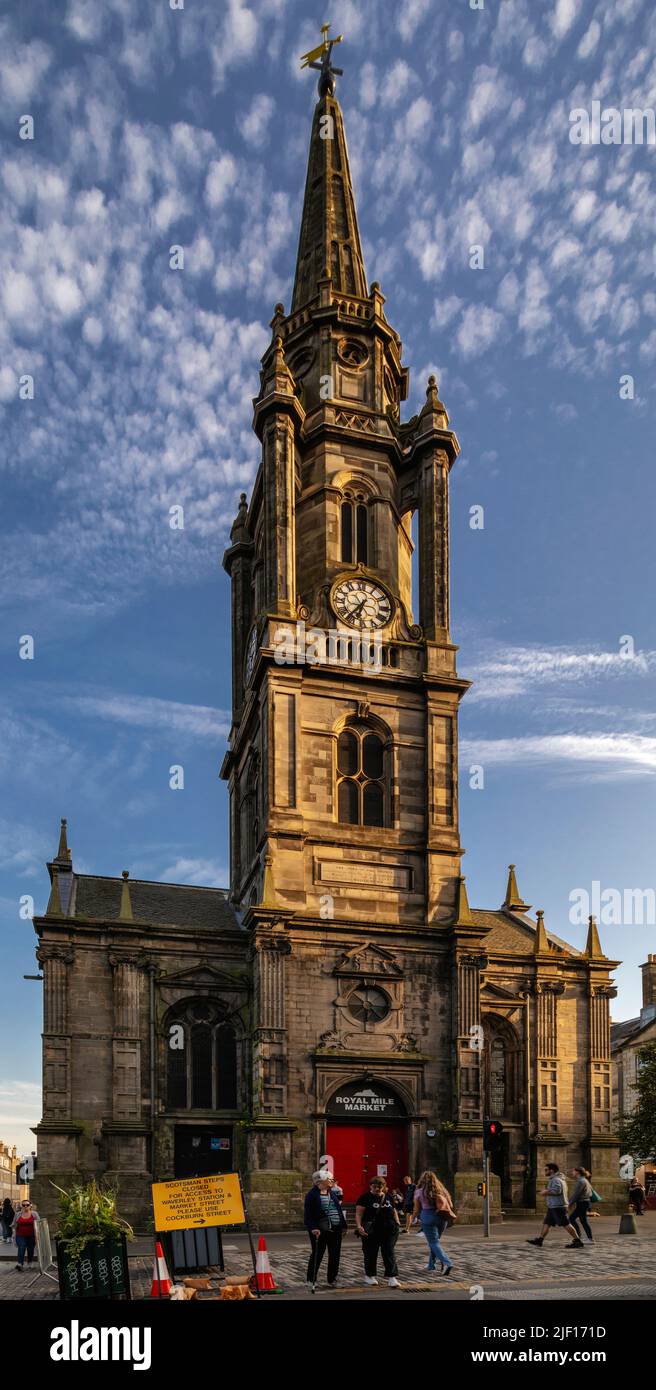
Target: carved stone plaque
(393,876)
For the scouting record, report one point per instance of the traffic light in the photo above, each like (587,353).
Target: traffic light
(492,1136)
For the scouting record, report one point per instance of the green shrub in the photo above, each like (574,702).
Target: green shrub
(88,1212)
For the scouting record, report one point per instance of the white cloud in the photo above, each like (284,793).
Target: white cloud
(584,205)
(509,672)
(535,52)
(205,873)
(444,310)
(534,314)
(397,82)
(409,17)
(588,44)
(63,293)
(369,86)
(236,41)
(255,124)
(487,95)
(19,297)
(92,331)
(84,19)
(418,118)
(479,327)
(563,17)
(147,712)
(618,755)
(22,70)
(221,178)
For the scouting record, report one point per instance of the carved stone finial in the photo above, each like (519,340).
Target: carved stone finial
(541,945)
(125,913)
(54,908)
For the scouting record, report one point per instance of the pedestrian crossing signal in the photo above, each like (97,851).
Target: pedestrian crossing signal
(492,1136)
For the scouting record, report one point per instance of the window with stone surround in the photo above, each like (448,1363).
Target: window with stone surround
(201,1062)
(362,776)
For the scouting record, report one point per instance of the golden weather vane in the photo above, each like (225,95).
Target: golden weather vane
(320,58)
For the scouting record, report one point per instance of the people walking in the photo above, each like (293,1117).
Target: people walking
(433,1209)
(637,1196)
(556,1213)
(25,1233)
(377,1224)
(579,1202)
(408,1203)
(7,1219)
(324,1221)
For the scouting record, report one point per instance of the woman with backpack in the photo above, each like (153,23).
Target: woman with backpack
(432,1207)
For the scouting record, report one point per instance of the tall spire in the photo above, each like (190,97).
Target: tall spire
(329,243)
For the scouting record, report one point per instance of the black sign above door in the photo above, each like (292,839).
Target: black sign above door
(365,1099)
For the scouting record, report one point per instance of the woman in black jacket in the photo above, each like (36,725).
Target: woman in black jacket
(7,1219)
(324,1221)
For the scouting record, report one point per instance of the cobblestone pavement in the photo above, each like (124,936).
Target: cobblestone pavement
(614,1267)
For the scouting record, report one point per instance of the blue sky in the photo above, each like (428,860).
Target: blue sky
(157,127)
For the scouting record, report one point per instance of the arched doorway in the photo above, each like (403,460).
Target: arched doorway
(366,1135)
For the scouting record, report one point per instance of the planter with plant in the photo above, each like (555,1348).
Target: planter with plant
(92,1255)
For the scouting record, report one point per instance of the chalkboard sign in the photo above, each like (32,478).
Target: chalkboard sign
(100,1272)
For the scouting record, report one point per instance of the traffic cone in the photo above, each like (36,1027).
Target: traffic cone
(265,1282)
(161,1285)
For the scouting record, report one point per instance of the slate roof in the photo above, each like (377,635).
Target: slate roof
(514,932)
(162,904)
(628,1031)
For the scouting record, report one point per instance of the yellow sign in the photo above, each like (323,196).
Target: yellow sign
(198,1202)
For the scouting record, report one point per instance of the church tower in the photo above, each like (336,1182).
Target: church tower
(342,761)
(343,752)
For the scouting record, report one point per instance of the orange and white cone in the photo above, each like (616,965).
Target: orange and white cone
(263,1273)
(161,1286)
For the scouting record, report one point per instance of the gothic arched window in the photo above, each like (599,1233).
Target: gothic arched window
(201,1058)
(497,1077)
(362,790)
(501,1069)
(355,529)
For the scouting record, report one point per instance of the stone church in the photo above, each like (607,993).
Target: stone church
(342,998)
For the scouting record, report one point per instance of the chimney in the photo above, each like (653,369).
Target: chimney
(648,1009)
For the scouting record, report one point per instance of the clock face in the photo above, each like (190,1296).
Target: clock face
(361,603)
(251,653)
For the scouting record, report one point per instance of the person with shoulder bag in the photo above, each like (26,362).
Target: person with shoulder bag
(25,1232)
(433,1208)
(377,1225)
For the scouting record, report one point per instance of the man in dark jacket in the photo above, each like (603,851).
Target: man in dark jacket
(324,1221)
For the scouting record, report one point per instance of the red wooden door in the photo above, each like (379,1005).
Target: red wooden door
(363,1152)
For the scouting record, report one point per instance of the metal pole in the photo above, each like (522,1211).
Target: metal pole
(250,1235)
(486,1193)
